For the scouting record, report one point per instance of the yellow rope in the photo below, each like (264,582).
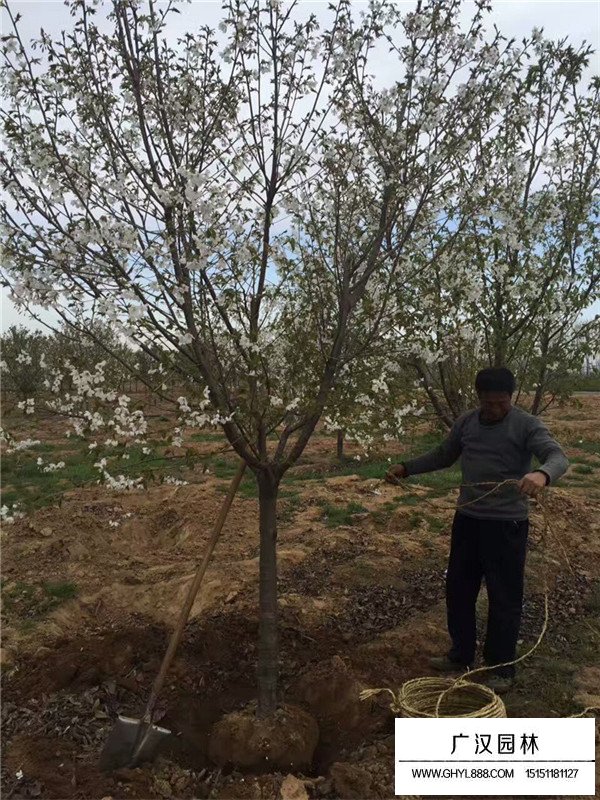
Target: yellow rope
(424,697)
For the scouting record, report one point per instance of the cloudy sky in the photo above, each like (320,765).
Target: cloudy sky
(578,20)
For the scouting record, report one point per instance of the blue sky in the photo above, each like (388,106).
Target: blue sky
(577,19)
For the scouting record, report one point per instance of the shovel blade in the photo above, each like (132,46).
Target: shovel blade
(122,748)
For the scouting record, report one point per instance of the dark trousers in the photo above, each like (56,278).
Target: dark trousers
(495,550)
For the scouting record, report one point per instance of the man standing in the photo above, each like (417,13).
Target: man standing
(489,536)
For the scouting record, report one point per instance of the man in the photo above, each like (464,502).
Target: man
(489,536)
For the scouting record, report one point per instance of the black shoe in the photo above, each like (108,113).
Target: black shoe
(446,664)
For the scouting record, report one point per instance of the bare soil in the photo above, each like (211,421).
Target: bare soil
(361,605)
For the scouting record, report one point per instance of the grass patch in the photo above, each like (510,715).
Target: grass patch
(290,504)
(415,519)
(223,467)
(441,482)
(30,602)
(581,460)
(341,515)
(208,437)
(381,516)
(370,469)
(583,469)
(33,488)
(587,446)
(60,591)
(436,524)
(408,500)
(248,487)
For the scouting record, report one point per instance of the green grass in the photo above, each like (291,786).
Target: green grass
(205,436)
(415,519)
(588,446)
(289,504)
(341,515)
(585,383)
(436,524)
(32,488)
(223,467)
(441,481)
(408,499)
(390,505)
(30,602)
(60,591)
(583,469)
(581,460)
(248,487)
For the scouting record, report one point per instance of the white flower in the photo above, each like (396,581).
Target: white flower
(536,35)
(23,358)
(24,444)
(9,515)
(170,479)
(277,402)
(28,406)
(54,467)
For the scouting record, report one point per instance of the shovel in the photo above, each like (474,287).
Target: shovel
(132,741)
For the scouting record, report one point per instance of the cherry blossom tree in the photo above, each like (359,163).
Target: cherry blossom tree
(525,266)
(243,212)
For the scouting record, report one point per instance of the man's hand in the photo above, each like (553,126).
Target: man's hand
(395,473)
(532,483)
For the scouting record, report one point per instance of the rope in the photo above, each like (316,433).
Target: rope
(423,697)
(420,698)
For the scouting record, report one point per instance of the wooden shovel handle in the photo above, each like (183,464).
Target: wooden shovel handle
(191,595)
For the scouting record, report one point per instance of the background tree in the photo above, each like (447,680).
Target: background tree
(525,266)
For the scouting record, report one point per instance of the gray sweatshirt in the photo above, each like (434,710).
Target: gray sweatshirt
(495,452)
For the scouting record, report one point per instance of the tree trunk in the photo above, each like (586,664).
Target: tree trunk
(340,444)
(435,402)
(539,393)
(268,642)
(499,350)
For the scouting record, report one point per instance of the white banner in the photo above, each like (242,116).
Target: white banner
(518,756)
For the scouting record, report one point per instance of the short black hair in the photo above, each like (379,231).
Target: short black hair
(495,379)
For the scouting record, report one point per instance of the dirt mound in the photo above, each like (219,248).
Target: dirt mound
(88,661)
(331,689)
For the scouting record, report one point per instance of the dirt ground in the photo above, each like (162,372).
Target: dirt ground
(361,606)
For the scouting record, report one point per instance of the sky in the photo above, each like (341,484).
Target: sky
(576,19)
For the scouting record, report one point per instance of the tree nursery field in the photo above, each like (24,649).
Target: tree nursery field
(93,579)
(256,254)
